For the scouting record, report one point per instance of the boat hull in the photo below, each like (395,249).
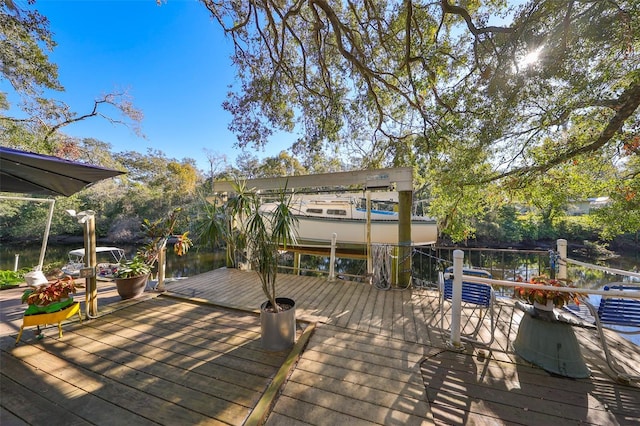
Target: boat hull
(353,232)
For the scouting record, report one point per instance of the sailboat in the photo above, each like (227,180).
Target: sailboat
(320,216)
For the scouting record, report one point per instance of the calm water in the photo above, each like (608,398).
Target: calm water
(193,263)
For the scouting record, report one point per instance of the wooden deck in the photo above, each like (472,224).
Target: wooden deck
(364,356)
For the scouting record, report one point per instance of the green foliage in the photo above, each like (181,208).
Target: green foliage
(244,226)
(25,40)
(11,278)
(501,224)
(210,226)
(622,214)
(576,228)
(158,234)
(132,268)
(435,86)
(439,86)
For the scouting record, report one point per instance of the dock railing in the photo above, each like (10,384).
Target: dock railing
(427,261)
(501,263)
(458,278)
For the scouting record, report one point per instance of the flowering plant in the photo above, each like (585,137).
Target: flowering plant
(47,294)
(559,298)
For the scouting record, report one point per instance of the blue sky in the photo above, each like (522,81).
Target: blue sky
(174,61)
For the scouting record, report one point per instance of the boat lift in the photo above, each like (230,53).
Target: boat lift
(401,177)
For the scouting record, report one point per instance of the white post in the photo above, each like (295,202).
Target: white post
(15,263)
(45,238)
(332,259)
(456,299)
(562,251)
(162,266)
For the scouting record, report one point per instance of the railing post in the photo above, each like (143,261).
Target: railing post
(162,267)
(456,299)
(332,259)
(562,251)
(296,263)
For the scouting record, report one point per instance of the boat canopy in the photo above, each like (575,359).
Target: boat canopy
(115,250)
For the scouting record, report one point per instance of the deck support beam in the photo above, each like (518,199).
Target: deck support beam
(405,201)
(91,285)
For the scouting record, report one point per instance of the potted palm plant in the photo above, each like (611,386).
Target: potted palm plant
(259,235)
(132,275)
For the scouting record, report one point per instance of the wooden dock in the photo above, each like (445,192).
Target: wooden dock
(364,356)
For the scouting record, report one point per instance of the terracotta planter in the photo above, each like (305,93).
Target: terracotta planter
(128,288)
(278,328)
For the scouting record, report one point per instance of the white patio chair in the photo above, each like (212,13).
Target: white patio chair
(621,315)
(475,296)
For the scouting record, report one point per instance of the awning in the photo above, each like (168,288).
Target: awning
(25,172)
(37,174)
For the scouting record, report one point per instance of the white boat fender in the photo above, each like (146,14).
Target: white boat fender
(36,279)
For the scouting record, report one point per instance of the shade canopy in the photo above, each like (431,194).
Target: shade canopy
(29,173)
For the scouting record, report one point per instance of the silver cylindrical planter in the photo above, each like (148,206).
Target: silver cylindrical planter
(278,328)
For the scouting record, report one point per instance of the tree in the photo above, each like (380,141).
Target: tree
(480,91)
(23,50)
(184,176)
(247,164)
(281,165)
(169,181)
(26,39)
(217,162)
(622,214)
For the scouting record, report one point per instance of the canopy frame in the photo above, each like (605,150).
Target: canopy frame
(45,238)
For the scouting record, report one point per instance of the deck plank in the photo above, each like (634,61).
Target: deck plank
(338,310)
(338,366)
(368,307)
(112,382)
(164,360)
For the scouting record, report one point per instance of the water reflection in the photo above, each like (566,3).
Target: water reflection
(193,263)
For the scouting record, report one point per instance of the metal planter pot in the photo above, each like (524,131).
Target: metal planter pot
(278,328)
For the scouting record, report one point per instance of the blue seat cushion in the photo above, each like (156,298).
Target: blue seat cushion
(619,311)
(474,293)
